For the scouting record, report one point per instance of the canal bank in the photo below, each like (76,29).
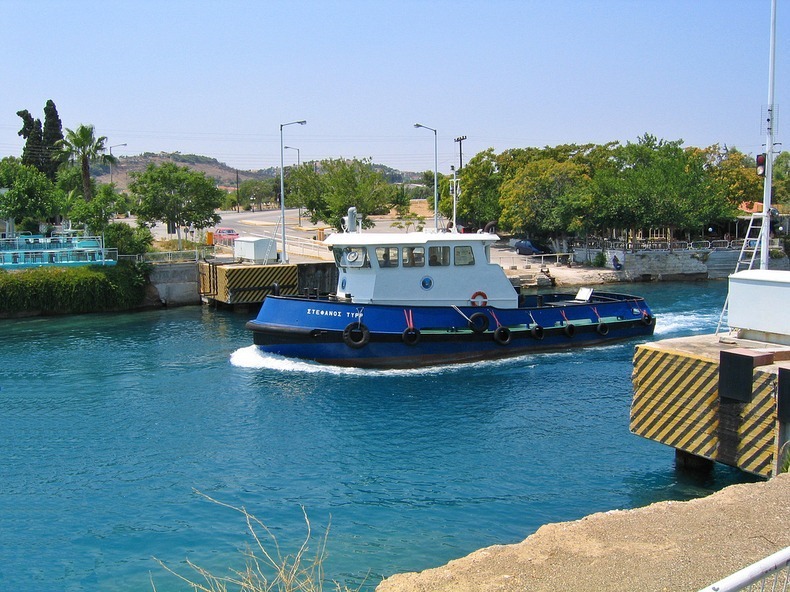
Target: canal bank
(664,546)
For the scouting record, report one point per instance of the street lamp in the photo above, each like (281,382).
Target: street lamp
(282,182)
(298,164)
(435,174)
(110,149)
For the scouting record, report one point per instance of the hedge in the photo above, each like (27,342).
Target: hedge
(62,290)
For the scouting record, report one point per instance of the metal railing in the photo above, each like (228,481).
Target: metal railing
(653,245)
(771,573)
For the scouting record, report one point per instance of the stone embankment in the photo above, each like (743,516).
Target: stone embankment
(667,546)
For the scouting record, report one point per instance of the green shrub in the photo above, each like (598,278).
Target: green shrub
(128,240)
(599,260)
(60,290)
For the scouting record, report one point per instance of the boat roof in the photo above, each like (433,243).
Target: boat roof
(406,238)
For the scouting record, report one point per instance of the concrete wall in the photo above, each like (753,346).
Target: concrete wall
(677,265)
(175,284)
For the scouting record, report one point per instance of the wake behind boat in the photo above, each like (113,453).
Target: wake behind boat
(406,300)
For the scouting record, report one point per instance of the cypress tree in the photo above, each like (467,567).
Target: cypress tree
(33,152)
(53,133)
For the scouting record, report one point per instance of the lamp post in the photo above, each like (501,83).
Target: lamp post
(282,183)
(298,164)
(435,174)
(110,149)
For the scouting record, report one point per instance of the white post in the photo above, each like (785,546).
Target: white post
(769,145)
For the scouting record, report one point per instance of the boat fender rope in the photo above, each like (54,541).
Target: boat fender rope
(502,335)
(356,335)
(460,312)
(493,314)
(479,322)
(483,299)
(595,310)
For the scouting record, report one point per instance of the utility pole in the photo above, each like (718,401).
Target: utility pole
(460,140)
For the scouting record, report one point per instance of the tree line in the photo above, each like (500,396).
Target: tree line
(579,190)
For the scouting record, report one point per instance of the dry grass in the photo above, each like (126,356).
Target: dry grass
(267,568)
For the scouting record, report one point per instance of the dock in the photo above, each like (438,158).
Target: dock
(715,399)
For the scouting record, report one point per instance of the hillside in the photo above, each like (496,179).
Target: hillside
(225,175)
(222,173)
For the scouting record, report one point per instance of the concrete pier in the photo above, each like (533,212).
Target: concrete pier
(726,400)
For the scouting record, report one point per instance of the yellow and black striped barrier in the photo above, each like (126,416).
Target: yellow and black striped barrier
(246,284)
(719,407)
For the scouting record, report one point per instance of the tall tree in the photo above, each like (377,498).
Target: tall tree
(81,147)
(177,196)
(30,194)
(327,195)
(33,151)
(52,135)
(480,182)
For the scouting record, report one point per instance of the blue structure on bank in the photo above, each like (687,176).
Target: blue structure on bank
(68,249)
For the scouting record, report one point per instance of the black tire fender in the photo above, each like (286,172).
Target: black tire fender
(602,328)
(410,336)
(569,329)
(356,335)
(502,335)
(479,322)
(537,332)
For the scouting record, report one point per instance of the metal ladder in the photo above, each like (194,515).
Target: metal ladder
(749,254)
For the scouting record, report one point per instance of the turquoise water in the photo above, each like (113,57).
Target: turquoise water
(108,423)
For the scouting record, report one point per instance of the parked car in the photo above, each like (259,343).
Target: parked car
(225,234)
(527,247)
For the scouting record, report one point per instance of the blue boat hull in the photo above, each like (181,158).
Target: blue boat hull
(385,336)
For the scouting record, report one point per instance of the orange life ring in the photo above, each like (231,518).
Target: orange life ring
(483,299)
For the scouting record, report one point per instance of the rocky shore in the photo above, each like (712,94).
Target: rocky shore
(667,546)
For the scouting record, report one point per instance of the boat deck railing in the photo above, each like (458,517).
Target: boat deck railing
(30,250)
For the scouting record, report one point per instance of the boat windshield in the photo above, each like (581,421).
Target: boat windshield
(351,257)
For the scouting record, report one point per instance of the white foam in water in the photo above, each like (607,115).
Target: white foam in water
(670,324)
(252,357)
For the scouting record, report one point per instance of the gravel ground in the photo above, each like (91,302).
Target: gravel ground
(667,546)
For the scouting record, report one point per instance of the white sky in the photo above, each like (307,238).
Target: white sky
(218,78)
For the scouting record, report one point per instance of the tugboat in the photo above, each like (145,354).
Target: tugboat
(408,300)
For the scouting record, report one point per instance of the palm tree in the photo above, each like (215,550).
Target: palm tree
(83,147)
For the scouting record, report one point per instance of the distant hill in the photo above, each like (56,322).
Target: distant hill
(224,175)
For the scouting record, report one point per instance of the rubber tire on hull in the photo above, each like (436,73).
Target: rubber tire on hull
(569,329)
(602,328)
(502,335)
(410,336)
(479,322)
(537,332)
(356,335)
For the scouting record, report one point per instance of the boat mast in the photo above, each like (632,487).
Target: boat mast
(769,145)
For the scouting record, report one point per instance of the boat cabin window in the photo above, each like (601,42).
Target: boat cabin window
(413,256)
(387,256)
(351,257)
(438,255)
(463,255)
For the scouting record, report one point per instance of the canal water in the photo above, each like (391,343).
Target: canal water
(110,423)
